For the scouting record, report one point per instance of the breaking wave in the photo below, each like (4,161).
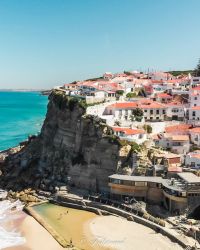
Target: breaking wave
(8,212)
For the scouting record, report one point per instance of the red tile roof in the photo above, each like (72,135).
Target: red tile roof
(143,104)
(195,154)
(123,105)
(128,131)
(178,128)
(164,95)
(175,104)
(153,105)
(196,88)
(195,130)
(175,169)
(196,108)
(180,138)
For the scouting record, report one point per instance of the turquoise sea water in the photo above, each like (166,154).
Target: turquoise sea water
(21,114)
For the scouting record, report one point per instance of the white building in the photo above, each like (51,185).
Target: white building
(152,111)
(195,135)
(175,111)
(130,134)
(178,144)
(160,76)
(194,98)
(163,97)
(195,81)
(194,115)
(192,159)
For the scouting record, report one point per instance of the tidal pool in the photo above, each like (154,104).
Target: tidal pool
(70,223)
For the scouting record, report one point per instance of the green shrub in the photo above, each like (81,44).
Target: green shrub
(119,92)
(147,128)
(131,95)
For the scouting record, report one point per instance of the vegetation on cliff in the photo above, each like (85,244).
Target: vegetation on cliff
(63,101)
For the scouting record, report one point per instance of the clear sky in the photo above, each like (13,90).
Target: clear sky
(45,43)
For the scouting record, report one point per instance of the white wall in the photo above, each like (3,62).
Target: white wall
(195,117)
(189,159)
(195,138)
(175,111)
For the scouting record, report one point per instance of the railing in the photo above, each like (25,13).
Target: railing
(127,208)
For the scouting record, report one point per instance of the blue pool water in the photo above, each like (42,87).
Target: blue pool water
(21,114)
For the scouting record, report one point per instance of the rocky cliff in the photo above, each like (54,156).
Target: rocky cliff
(72,147)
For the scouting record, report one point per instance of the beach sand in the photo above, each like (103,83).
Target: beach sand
(118,233)
(102,232)
(37,237)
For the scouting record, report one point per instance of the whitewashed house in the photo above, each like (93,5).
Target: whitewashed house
(162,97)
(195,81)
(160,76)
(121,110)
(194,115)
(175,111)
(192,159)
(178,144)
(130,134)
(195,135)
(152,111)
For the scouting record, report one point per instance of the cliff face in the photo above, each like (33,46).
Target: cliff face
(72,145)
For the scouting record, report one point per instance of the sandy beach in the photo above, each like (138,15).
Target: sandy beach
(36,236)
(120,234)
(101,232)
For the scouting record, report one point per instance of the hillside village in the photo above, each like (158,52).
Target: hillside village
(161,112)
(155,107)
(129,141)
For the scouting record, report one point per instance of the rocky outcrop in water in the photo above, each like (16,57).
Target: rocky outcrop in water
(73,148)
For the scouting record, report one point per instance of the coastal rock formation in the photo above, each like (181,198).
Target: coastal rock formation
(73,148)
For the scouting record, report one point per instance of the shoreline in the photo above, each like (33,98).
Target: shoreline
(36,235)
(102,232)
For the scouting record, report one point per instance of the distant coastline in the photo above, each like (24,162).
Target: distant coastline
(24,90)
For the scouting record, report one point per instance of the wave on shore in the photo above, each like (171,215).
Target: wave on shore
(8,213)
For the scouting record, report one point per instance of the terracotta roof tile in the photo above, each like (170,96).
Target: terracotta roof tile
(195,130)
(129,131)
(177,128)
(123,105)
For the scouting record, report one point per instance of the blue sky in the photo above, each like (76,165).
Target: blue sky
(45,43)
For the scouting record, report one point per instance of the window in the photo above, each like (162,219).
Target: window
(151,112)
(157,111)
(115,181)
(193,113)
(145,110)
(140,184)
(195,105)
(157,118)
(164,112)
(195,98)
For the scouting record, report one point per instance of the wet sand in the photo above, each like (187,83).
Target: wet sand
(36,236)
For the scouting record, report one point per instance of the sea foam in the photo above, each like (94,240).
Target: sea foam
(8,212)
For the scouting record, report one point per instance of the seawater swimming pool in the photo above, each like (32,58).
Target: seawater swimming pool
(69,223)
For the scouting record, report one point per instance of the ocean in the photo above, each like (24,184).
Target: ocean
(21,114)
